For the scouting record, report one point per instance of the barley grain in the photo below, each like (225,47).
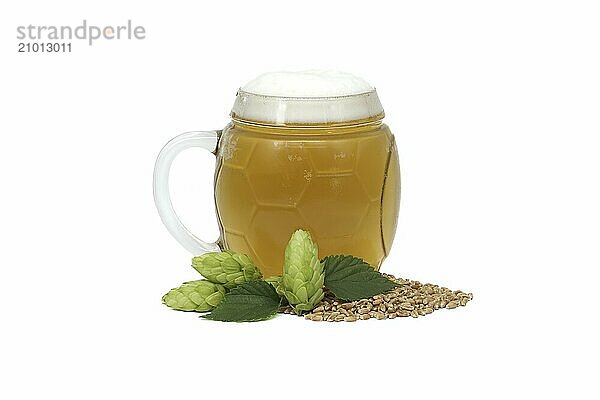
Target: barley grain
(409,298)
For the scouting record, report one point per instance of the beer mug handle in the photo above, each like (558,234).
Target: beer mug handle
(206,140)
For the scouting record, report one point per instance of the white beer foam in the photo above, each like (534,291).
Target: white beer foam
(306,98)
(313,83)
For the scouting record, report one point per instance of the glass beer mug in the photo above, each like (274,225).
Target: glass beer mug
(303,150)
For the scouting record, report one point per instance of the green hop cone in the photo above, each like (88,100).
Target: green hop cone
(302,280)
(198,296)
(227,268)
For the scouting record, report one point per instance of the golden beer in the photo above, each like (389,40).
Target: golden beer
(341,183)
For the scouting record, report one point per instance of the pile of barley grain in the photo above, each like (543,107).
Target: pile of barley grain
(409,299)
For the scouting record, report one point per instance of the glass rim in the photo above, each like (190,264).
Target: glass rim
(307,98)
(374,120)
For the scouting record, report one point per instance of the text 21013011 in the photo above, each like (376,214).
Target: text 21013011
(44,47)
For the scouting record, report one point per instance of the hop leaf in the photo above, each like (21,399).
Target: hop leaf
(251,301)
(302,280)
(198,296)
(227,268)
(351,278)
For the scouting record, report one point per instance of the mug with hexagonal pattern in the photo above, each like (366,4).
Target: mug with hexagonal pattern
(291,159)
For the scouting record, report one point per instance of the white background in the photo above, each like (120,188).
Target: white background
(496,111)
